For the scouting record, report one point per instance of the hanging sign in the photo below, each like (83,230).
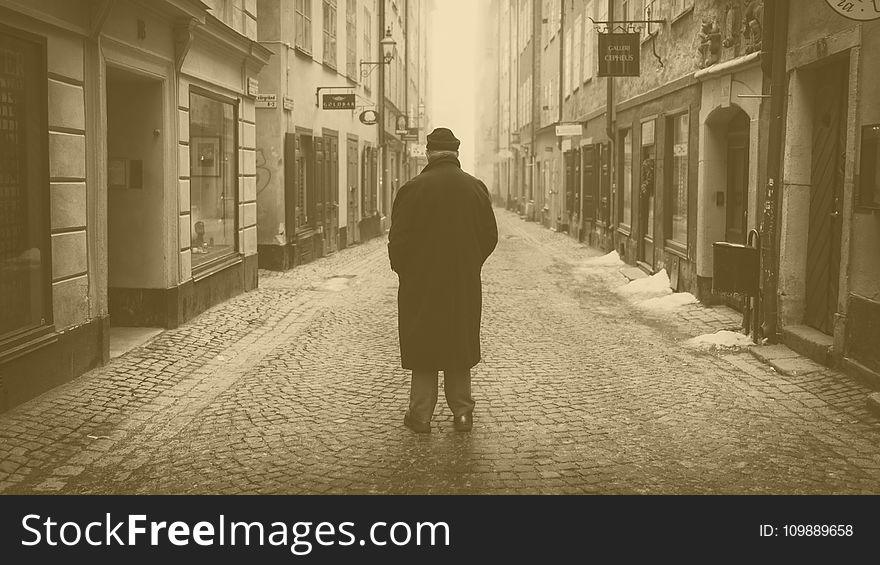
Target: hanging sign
(412,134)
(618,54)
(339,102)
(563,130)
(369,117)
(859,10)
(401,128)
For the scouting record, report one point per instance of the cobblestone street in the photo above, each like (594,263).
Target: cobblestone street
(296,388)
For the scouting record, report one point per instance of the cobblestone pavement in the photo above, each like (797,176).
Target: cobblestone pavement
(296,388)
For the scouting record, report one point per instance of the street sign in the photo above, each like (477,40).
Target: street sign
(288,103)
(563,130)
(266,101)
(618,54)
(339,102)
(253,86)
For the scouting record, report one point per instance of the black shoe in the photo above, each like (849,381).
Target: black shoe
(415,425)
(463,423)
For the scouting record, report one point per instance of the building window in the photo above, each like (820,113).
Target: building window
(351,39)
(25,263)
(587,65)
(625,185)
(681,6)
(578,54)
(566,72)
(647,179)
(368,44)
(213,175)
(330,33)
(677,195)
(303,25)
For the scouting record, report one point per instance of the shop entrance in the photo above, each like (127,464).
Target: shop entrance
(827,172)
(136,266)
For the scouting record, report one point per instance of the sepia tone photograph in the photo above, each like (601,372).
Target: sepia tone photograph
(473,247)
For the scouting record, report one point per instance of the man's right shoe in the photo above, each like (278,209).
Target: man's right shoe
(415,425)
(464,422)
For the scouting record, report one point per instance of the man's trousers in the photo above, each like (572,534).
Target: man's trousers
(423,393)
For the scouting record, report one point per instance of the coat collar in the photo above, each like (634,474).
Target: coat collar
(442,161)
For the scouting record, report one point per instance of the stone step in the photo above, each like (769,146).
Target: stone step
(809,342)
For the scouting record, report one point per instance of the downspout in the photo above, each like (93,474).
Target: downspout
(777,14)
(532,109)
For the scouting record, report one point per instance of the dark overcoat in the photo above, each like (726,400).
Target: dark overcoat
(442,230)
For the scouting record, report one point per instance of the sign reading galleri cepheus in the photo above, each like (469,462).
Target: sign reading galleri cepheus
(618,54)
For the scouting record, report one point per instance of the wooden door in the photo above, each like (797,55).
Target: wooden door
(353,216)
(737,196)
(823,242)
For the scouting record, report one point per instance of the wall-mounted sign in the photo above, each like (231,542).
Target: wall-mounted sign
(564,130)
(253,86)
(266,101)
(860,10)
(417,150)
(618,54)
(369,117)
(339,102)
(287,103)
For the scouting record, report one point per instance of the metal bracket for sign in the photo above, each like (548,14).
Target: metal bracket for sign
(629,26)
(320,88)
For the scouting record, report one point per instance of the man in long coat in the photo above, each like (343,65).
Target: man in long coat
(442,231)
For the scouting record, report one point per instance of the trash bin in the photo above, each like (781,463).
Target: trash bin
(736,268)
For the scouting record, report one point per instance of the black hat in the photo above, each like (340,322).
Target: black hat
(442,139)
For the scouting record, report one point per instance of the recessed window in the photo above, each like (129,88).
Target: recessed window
(24,231)
(213,175)
(677,195)
(869,172)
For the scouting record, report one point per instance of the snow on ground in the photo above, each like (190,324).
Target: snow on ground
(655,286)
(720,339)
(668,302)
(611,259)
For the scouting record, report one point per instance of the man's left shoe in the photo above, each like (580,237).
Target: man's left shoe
(415,425)
(464,422)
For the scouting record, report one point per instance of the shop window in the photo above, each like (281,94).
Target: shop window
(303,25)
(625,185)
(869,171)
(213,175)
(330,33)
(25,263)
(677,195)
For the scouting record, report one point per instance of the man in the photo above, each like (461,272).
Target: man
(442,231)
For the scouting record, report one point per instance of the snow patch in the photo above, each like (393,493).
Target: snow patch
(720,339)
(669,302)
(611,259)
(655,286)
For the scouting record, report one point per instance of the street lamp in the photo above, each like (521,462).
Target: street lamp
(388,44)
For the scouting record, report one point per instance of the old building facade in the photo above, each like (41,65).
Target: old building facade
(128,175)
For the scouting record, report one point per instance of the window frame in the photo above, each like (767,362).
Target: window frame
(351,39)
(302,16)
(330,31)
(25,339)
(670,244)
(209,267)
(625,137)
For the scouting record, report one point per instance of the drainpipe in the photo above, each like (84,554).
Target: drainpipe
(609,131)
(773,45)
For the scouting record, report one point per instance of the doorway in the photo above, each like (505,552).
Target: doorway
(351,153)
(646,197)
(136,266)
(827,175)
(737,195)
